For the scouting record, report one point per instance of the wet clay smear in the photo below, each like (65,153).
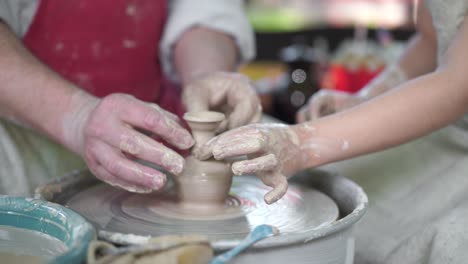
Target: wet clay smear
(156,214)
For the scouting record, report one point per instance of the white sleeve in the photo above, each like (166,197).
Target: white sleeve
(223,15)
(18,14)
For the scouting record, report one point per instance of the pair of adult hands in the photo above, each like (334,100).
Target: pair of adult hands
(112,132)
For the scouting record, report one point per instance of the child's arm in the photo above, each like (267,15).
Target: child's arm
(411,110)
(418,58)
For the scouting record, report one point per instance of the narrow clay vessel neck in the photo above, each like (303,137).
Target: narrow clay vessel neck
(203,124)
(204,184)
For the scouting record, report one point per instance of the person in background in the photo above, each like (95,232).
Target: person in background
(92,81)
(418,191)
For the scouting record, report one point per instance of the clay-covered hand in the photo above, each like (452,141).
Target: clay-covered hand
(273,153)
(227,92)
(327,102)
(112,132)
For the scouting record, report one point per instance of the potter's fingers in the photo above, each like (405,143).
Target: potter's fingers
(148,149)
(236,136)
(240,133)
(226,88)
(301,115)
(154,119)
(237,148)
(223,126)
(279,190)
(242,99)
(267,178)
(116,182)
(318,104)
(314,108)
(258,115)
(129,171)
(205,151)
(101,173)
(253,166)
(143,147)
(244,111)
(322,106)
(326,109)
(169,114)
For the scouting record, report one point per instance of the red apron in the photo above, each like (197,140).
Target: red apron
(105,46)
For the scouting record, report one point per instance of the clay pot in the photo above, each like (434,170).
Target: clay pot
(204,184)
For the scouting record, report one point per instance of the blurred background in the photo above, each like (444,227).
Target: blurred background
(307,45)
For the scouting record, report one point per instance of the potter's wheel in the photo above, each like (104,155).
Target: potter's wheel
(116,211)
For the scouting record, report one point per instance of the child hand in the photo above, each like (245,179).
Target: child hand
(273,153)
(327,102)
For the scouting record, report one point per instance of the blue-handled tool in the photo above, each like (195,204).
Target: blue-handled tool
(260,232)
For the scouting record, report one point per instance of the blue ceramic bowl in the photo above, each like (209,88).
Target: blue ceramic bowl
(52,219)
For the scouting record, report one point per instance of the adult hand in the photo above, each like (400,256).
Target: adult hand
(273,152)
(108,134)
(327,102)
(230,93)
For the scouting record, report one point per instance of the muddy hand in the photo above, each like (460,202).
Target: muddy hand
(103,132)
(230,93)
(272,150)
(326,102)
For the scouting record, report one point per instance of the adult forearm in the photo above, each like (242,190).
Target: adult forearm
(30,92)
(201,50)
